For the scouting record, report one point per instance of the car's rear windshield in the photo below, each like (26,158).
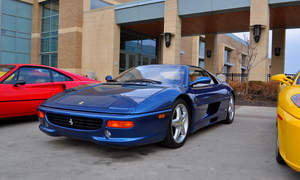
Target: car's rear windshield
(5,69)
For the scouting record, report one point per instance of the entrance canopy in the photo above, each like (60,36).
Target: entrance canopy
(205,16)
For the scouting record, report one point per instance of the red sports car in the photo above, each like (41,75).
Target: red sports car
(24,87)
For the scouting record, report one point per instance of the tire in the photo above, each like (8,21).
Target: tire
(230,111)
(179,124)
(279,158)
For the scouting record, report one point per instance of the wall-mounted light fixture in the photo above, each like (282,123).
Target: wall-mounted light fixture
(277,51)
(257,32)
(208,53)
(168,37)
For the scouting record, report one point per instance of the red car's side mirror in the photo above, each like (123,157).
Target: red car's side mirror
(19,82)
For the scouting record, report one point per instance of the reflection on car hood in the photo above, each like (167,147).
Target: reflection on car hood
(106,98)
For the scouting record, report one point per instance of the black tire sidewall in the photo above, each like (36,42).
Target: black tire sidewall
(279,158)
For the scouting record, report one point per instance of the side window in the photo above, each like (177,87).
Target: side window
(30,75)
(33,75)
(195,73)
(58,77)
(12,79)
(214,80)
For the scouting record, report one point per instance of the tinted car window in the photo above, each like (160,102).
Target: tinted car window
(5,69)
(58,77)
(195,73)
(12,79)
(174,75)
(30,75)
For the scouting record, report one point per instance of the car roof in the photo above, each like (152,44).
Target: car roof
(173,65)
(43,66)
(19,65)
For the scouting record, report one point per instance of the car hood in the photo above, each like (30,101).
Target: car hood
(117,98)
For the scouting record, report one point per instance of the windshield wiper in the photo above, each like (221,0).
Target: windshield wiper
(144,80)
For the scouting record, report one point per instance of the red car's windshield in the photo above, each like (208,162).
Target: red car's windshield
(5,69)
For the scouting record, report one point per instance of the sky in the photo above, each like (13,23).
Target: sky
(292,54)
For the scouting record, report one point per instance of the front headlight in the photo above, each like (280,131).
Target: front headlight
(296,100)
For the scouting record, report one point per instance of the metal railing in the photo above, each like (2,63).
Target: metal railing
(244,77)
(235,76)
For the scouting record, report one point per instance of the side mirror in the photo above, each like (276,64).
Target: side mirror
(201,80)
(108,78)
(19,82)
(282,79)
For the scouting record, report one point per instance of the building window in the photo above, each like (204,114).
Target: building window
(98,4)
(243,63)
(226,55)
(201,54)
(201,63)
(15,43)
(226,69)
(227,64)
(137,49)
(49,32)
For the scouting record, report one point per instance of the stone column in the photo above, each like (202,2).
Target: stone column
(195,50)
(35,35)
(260,15)
(70,35)
(100,43)
(190,49)
(86,5)
(172,24)
(211,45)
(278,41)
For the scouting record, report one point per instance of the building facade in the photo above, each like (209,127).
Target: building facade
(105,37)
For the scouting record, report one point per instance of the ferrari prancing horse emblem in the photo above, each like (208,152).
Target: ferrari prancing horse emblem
(81,102)
(71,122)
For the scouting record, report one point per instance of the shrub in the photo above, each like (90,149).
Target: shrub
(256,89)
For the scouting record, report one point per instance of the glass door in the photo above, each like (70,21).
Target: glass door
(128,60)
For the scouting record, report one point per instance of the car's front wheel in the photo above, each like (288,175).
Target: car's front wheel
(179,123)
(230,111)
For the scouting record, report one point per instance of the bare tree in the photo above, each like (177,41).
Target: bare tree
(251,58)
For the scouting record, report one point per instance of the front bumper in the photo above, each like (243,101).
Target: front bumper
(148,128)
(289,138)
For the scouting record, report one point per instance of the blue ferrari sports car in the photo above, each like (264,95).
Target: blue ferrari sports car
(145,104)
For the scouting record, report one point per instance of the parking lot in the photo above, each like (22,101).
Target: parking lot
(243,150)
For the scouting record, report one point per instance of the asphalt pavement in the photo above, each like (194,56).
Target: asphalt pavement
(243,150)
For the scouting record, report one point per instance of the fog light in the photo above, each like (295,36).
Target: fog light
(107,134)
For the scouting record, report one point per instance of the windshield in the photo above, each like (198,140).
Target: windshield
(298,80)
(5,69)
(156,74)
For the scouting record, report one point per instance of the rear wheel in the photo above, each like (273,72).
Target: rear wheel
(230,111)
(179,122)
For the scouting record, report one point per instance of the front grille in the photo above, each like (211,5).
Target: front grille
(75,122)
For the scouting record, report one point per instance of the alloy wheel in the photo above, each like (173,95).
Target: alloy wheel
(180,123)
(231,109)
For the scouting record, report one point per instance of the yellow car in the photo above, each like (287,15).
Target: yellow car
(288,121)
